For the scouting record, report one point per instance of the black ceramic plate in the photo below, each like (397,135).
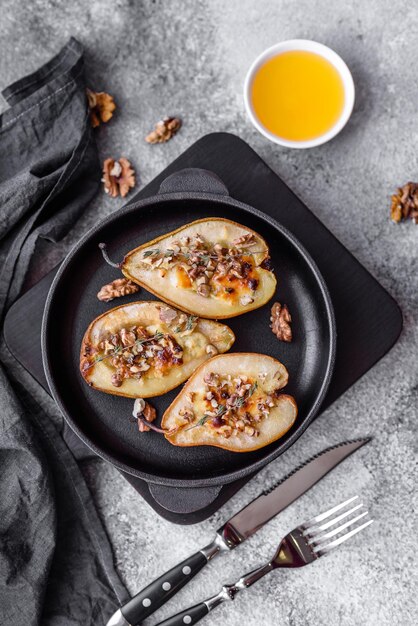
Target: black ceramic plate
(101,420)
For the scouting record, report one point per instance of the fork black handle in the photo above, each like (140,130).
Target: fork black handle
(228,592)
(162,589)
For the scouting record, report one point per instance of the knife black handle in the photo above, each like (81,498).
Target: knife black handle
(162,589)
(189,616)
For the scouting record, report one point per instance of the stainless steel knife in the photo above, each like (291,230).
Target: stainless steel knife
(236,530)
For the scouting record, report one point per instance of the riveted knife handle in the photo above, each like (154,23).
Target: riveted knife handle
(189,616)
(162,589)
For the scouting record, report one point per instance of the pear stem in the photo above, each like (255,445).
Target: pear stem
(103,248)
(162,431)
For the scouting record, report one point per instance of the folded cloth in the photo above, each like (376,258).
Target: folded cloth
(56,565)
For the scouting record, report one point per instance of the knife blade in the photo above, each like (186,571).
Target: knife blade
(236,530)
(275,499)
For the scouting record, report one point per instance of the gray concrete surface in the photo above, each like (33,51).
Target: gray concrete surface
(189,58)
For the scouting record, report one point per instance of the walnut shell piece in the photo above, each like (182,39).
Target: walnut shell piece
(102,106)
(280,322)
(116,289)
(118,177)
(164,130)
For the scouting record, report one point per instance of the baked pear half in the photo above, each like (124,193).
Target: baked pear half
(233,401)
(144,349)
(213,268)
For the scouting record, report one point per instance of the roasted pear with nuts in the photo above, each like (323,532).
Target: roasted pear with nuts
(144,349)
(213,268)
(233,401)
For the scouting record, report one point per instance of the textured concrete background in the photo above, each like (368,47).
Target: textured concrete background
(190,58)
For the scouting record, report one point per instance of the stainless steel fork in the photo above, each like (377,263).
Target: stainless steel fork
(303,545)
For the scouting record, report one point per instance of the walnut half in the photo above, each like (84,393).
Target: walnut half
(404,203)
(164,130)
(280,322)
(116,289)
(118,177)
(101,107)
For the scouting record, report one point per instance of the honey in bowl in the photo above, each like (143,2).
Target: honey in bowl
(298,95)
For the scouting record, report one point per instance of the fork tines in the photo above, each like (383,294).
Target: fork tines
(314,529)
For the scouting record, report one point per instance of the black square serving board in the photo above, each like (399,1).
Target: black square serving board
(368,319)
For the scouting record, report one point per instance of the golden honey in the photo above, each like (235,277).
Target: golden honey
(298,95)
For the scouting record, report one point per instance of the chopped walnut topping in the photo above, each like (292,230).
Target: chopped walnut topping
(187,415)
(280,322)
(405,203)
(128,337)
(108,347)
(245,240)
(225,431)
(133,351)
(116,379)
(116,289)
(101,106)
(245,300)
(232,405)
(203,290)
(251,431)
(206,267)
(164,130)
(211,378)
(168,315)
(141,367)
(232,400)
(118,177)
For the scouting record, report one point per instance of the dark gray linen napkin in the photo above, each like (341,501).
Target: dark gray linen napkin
(56,565)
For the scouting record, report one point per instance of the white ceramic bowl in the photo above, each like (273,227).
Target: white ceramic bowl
(309,46)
